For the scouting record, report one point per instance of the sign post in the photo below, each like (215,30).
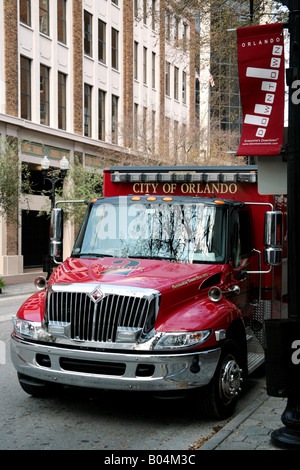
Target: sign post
(261,73)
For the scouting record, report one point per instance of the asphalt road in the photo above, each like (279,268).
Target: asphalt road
(95,420)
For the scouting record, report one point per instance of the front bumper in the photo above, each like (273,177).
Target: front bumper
(113,370)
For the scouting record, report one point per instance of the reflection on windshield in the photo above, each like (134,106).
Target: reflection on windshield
(178,232)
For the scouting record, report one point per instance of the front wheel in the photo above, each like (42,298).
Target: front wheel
(219,398)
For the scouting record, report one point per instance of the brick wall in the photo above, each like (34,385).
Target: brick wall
(10,14)
(77,68)
(128,73)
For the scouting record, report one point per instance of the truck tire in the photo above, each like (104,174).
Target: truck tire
(218,400)
(35,387)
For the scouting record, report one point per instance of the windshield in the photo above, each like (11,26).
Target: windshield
(182,232)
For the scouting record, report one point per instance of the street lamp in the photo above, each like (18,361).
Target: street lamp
(54,175)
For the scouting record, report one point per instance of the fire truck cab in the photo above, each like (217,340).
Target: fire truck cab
(172,275)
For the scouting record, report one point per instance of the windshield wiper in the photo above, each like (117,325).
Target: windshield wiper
(165,258)
(93,255)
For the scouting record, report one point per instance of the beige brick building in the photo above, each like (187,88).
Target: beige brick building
(111,81)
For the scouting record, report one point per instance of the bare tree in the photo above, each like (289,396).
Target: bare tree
(212,131)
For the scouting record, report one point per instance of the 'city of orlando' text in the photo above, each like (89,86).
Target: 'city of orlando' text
(185,188)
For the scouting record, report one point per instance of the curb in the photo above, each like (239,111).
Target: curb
(229,428)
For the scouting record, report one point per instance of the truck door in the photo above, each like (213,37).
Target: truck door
(241,251)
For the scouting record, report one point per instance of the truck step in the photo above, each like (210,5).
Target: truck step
(254,361)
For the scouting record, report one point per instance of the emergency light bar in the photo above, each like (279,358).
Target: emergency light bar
(244,177)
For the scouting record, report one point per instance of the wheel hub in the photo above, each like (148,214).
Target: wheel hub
(231,379)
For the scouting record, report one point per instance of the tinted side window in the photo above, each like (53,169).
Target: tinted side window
(245,233)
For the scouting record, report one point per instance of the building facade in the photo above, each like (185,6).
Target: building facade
(109,81)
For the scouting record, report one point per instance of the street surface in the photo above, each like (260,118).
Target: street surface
(100,420)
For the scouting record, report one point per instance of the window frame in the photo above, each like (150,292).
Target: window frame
(25,11)
(45,89)
(101,114)
(26,97)
(114,118)
(88,35)
(62,104)
(87,110)
(101,41)
(168,78)
(46,25)
(114,48)
(62,21)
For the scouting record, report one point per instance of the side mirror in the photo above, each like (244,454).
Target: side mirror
(56,235)
(273,229)
(272,256)
(273,238)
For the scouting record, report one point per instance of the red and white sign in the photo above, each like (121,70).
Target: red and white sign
(261,74)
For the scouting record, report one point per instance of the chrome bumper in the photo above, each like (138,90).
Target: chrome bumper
(107,370)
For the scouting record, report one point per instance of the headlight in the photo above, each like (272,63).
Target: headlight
(29,329)
(180,340)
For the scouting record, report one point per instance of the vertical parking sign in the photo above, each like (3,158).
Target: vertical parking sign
(261,76)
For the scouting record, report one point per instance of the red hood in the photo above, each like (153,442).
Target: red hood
(155,274)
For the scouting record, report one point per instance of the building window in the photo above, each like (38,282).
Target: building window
(135,8)
(183,87)
(135,60)
(87,110)
(153,137)
(153,69)
(44,95)
(88,33)
(167,80)
(114,119)
(44,16)
(168,26)
(25,11)
(145,11)
(135,124)
(25,88)
(184,35)
(61,21)
(102,41)
(145,65)
(101,115)
(176,29)
(153,15)
(62,79)
(116,2)
(176,77)
(114,49)
(145,128)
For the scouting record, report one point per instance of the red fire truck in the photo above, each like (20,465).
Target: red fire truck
(167,288)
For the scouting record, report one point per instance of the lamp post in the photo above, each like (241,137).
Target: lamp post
(54,175)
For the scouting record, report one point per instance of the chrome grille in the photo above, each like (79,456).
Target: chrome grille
(86,320)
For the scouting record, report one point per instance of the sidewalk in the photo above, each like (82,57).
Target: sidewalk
(21,283)
(250,430)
